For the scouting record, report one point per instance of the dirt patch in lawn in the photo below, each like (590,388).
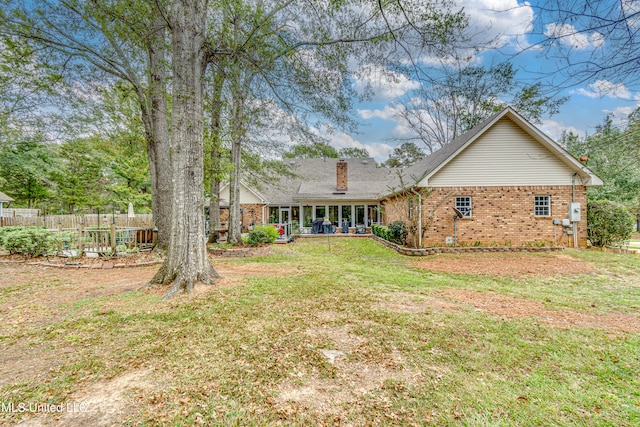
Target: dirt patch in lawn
(512,307)
(33,297)
(506,307)
(356,372)
(101,403)
(505,264)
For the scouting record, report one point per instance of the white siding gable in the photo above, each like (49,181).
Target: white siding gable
(247,197)
(503,155)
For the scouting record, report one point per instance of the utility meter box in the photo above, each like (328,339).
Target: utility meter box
(574,212)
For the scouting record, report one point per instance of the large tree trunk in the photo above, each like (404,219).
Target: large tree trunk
(153,106)
(187,261)
(216,156)
(235,227)
(161,140)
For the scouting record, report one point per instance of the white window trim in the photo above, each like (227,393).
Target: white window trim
(547,206)
(466,210)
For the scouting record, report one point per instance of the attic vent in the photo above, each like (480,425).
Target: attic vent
(365,162)
(292,162)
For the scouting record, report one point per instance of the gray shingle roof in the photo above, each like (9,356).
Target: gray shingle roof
(5,198)
(316,180)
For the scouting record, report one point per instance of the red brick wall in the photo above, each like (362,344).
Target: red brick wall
(501,215)
(252,214)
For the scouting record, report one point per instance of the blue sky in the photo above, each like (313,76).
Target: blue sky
(517,27)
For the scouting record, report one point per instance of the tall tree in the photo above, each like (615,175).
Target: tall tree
(448,106)
(80,182)
(26,165)
(187,261)
(406,154)
(97,41)
(311,151)
(613,154)
(354,152)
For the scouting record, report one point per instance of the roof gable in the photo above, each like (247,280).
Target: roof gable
(536,152)
(5,198)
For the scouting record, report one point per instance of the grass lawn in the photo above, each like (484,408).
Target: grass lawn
(343,334)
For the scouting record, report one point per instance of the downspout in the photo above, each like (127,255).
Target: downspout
(419,216)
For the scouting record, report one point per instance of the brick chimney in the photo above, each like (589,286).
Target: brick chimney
(341,175)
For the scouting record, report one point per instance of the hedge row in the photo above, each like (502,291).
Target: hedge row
(396,232)
(34,241)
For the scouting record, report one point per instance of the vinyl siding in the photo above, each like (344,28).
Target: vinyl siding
(504,155)
(247,197)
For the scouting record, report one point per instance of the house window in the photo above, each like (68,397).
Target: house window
(273,214)
(542,206)
(410,208)
(463,204)
(360,214)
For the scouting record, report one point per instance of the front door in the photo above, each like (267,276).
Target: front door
(285,220)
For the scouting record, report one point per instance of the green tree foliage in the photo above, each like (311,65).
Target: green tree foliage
(26,165)
(353,153)
(311,151)
(80,183)
(610,223)
(613,153)
(121,147)
(406,154)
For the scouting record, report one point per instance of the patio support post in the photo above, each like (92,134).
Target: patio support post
(80,235)
(113,237)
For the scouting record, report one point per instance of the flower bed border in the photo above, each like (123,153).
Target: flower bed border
(461,250)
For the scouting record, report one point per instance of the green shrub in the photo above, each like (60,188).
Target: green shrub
(381,231)
(262,234)
(398,232)
(609,223)
(32,241)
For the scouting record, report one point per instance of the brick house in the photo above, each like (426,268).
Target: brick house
(507,179)
(510,184)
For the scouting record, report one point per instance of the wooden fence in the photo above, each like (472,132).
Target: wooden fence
(110,239)
(61,222)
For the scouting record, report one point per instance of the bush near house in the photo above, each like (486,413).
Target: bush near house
(610,223)
(396,232)
(381,231)
(262,234)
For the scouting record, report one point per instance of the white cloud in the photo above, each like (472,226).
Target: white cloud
(501,21)
(380,151)
(388,113)
(621,114)
(382,84)
(492,24)
(568,35)
(555,129)
(602,88)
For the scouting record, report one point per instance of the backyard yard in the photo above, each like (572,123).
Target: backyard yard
(340,332)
